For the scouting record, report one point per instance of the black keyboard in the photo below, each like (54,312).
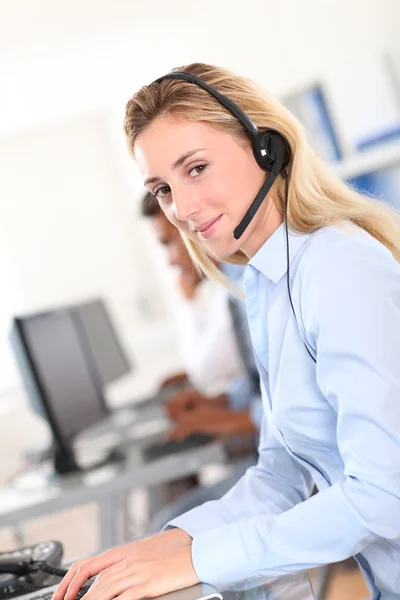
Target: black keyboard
(165,448)
(49,595)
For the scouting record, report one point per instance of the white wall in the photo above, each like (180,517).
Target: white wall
(64,56)
(69,230)
(9,304)
(68,190)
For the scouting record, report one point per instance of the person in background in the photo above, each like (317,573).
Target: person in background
(221,394)
(214,347)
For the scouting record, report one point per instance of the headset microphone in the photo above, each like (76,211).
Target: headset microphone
(270,148)
(254,206)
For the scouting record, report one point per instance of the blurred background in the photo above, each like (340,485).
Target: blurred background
(70,224)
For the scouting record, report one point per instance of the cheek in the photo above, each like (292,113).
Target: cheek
(181,225)
(169,213)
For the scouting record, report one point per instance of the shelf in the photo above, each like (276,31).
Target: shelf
(375,159)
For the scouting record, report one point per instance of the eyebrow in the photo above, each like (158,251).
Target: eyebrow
(174,165)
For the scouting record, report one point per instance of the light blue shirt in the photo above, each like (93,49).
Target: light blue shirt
(241,397)
(335,423)
(244,392)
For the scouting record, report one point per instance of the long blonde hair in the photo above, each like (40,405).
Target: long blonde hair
(317,197)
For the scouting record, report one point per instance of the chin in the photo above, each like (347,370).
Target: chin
(222,248)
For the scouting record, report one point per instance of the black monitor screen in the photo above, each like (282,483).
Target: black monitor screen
(106,351)
(69,387)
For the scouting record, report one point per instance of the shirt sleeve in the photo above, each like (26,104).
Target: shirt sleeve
(256,411)
(272,487)
(351,314)
(241,397)
(239,393)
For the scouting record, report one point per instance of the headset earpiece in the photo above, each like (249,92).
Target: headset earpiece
(271,151)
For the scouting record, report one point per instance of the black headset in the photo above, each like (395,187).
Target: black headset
(272,153)
(270,149)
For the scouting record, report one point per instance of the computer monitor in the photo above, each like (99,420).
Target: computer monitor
(103,344)
(59,379)
(383,184)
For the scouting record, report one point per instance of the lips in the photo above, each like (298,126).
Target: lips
(204,226)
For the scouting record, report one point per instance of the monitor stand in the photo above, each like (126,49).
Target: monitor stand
(65,463)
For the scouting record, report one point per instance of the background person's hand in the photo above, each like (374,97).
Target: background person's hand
(214,421)
(153,546)
(174,379)
(184,401)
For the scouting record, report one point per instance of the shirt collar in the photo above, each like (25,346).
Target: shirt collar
(270,259)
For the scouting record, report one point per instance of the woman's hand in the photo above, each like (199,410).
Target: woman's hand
(145,576)
(153,548)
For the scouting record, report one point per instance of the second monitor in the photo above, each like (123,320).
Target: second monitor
(106,351)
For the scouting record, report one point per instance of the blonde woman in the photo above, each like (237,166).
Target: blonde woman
(323,301)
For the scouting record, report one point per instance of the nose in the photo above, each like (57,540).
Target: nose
(186,203)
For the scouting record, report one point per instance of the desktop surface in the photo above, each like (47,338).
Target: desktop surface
(41,491)
(294,586)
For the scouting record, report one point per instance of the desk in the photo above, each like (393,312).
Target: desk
(38,493)
(295,586)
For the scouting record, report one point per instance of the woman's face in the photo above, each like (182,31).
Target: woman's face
(205,179)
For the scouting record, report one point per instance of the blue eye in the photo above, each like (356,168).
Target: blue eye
(197,170)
